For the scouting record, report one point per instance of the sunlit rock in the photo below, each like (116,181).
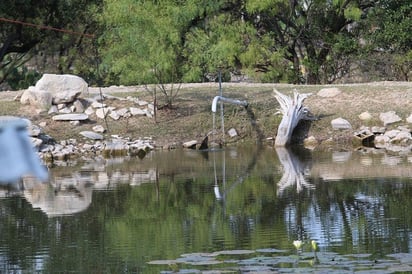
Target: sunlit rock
(311,142)
(340,124)
(64,88)
(99,129)
(91,135)
(232,132)
(389,117)
(329,92)
(365,116)
(190,144)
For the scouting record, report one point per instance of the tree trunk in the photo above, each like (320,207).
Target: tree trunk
(293,111)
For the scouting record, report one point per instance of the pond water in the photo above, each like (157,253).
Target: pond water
(237,210)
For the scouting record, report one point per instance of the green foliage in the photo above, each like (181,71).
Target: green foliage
(390,25)
(143,42)
(173,41)
(22,78)
(50,30)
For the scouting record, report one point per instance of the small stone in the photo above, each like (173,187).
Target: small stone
(190,144)
(65,110)
(232,132)
(340,123)
(114,115)
(137,111)
(142,103)
(53,109)
(310,142)
(78,106)
(98,105)
(71,117)
(329,92)
(409,119)
(89,111)
(378,130)
(91,135)
(122,112)
(75,123)
(389,117)
(102,112)
(365,116)
(99,129)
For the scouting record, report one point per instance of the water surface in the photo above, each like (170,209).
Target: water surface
(237,210)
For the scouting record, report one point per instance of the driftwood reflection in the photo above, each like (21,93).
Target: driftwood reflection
(294,170)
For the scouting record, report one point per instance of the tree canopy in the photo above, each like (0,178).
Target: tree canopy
(53,31)
(174,41)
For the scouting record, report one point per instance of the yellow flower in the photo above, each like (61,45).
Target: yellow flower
(298,244)
(314,245)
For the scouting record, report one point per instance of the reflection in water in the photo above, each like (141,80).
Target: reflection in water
(294,170)
(115,215)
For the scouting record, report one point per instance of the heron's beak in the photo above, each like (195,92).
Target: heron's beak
(17,155)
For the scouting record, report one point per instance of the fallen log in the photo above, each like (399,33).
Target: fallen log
(293,111)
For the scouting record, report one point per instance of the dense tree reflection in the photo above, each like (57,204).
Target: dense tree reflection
(166,205)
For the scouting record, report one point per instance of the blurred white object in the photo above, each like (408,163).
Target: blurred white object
(17,155)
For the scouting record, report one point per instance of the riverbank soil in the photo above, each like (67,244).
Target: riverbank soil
(191,118)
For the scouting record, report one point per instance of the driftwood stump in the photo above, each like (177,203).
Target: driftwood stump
(293,111)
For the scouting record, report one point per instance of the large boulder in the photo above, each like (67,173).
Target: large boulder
(39,98)
(65,88)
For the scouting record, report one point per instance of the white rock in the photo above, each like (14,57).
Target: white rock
(329,92)
(75,123)
(232,132)
(92,135)
(409,119)
(53,109)
(34,130)
(365,116)
(64,88)
(102,112)
(96,104)
(38,98)
(89,111)
(392,133)
(137,111)
(340,123)
(65,110)
(27,96)
(381,141)
(389,117)
(36,142)
(190,144)
(122,112)
(71,117)
(114,115)
(402,137)
(78,106)
(99,129)
(378,130)
(142,103)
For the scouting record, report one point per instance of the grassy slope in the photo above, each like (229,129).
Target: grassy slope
(192,117)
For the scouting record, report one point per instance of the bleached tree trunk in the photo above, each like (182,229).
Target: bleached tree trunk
(293,111)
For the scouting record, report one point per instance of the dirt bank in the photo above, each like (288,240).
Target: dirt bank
(191,117)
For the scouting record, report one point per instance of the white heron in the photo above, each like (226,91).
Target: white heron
(17,155)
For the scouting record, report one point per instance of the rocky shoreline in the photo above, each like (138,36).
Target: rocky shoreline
(68,100)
